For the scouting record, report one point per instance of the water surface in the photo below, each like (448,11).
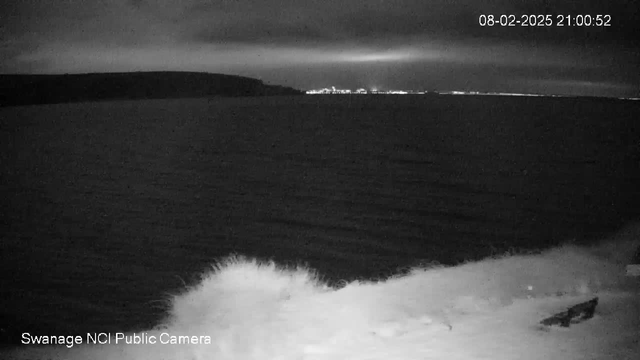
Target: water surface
(110,206)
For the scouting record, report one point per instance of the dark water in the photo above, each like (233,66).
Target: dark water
(108,207)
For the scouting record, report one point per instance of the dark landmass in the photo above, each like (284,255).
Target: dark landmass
(51,89)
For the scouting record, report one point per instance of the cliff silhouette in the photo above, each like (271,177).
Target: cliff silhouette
(50,89)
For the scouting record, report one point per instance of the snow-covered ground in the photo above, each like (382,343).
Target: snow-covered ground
(251,309)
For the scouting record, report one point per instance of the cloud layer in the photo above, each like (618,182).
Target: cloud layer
(349,39)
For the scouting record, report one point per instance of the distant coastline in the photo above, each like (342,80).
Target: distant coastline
(29,89)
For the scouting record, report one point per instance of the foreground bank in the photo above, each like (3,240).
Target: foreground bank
(491,309)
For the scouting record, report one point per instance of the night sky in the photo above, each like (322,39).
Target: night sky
(403,44)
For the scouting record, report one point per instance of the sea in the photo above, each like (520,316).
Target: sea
(111,208)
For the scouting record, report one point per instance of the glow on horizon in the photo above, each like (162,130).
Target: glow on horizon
(273,64)
(396,55)
(78,57)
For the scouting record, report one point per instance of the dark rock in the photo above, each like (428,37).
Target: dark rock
(573,315)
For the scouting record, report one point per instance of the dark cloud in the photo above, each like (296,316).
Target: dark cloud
(264,31)
(338,20)
(137,3)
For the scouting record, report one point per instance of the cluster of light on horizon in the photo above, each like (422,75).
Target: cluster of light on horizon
(334,91)
(360,91)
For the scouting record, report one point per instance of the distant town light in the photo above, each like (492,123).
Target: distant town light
(361,91)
